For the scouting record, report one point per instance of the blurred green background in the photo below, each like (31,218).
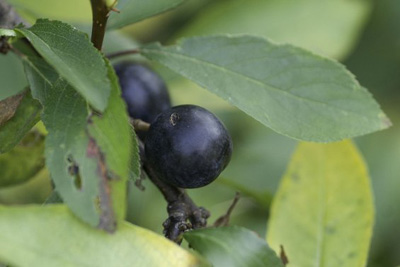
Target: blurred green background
(363,35)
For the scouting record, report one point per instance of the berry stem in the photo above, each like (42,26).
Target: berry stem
(183,213)
(140,125)
(100,11)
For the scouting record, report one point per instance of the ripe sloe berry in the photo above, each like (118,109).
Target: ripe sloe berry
(187,146)
(144,92)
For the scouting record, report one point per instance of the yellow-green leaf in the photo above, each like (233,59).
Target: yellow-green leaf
(19,114)
(7,33)
(51,236)
(323,212)
(23,162)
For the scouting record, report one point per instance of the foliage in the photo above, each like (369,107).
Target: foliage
(68,242)
(310,24)
(287,88)
(328,188)
(72,55)
(22,120)
(322,213)
(232,246)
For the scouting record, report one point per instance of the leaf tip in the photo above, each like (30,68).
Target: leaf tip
(385,121)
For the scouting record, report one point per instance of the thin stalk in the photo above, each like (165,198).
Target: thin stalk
(100,12)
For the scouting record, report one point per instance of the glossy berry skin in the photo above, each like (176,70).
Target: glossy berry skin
(187,146)
(144,92)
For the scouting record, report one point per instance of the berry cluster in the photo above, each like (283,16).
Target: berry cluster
(187,146)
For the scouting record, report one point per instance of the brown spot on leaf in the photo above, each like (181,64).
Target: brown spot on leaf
(9,106)
(283,256)
(104,201)
(73,170)
(94,113)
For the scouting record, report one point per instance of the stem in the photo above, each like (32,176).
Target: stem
(224,219)
(100,12)
(140,125)
(123,53)
(183,212)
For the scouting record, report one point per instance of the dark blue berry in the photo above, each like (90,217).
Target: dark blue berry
(187,146)
(144,92)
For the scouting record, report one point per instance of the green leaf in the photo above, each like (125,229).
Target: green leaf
(73,56)
(7,33)
(323,211)
(12,76)
(292,91)
(135,10)
(23,162)
(115,41)
(73,172)
(89,167)
(118,143)
(51,236)
(232,246)
(24,113)
(328,27)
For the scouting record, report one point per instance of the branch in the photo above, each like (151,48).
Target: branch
(8,19)
(100,12)
(183,212)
